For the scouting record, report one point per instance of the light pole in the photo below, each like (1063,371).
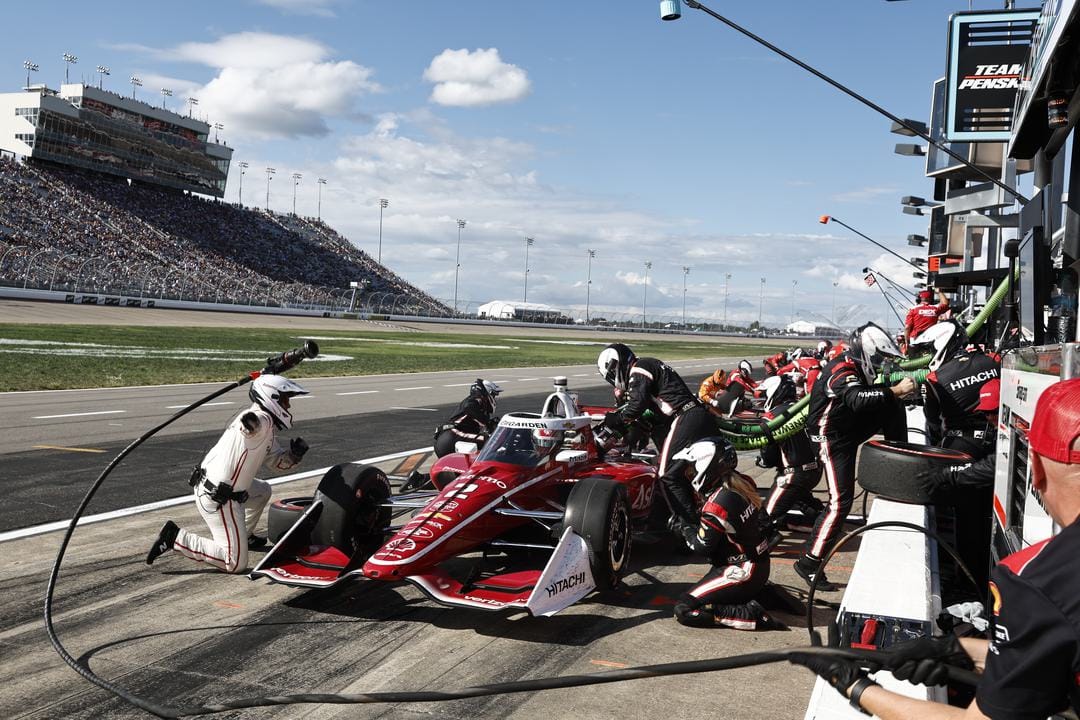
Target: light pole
(528,244)
(296,178)
(727,283)
(30,67)
(685,272)
(457,261)
(217,128)
(834,285)
(191,103)
(240,192)
(794,284)
(269,172)
(383,202)
(645,292)
(102,71)
(165,93)
(588,285)
(70,60)
(761,303)
(135,82)
(318,198)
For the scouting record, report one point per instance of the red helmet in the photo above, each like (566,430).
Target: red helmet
(835,350)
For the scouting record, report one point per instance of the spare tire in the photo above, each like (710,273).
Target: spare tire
(889,468)
(352,514)
(283,515)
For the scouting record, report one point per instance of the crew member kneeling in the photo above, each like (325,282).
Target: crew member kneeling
(731,536)
(228,495)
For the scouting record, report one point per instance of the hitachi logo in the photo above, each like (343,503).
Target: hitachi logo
(564,584)
(973,379)
(992,77)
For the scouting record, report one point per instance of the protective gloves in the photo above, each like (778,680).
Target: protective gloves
(940,484)
(297,448)
(846,676)
(924,660)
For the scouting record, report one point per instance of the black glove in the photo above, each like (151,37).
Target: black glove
(839,672)
(939,484)
(613,420)
(250,421)
(924,660)
(298,447)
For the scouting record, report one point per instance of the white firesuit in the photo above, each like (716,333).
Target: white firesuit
(234,461)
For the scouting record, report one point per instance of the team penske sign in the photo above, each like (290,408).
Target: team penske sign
(987,51)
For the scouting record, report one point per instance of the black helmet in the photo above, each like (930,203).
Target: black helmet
(614,364)
(485,391)
(713,459)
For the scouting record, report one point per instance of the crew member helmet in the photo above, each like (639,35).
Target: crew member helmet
(745,368)
(779,391)
(823,348)
(713,459)
(272,393)
(947,340)
(614,364)
(485,391)
(870,347)
(720,377)
(795,354)
(834,352)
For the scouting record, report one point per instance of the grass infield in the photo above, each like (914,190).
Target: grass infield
(55,357)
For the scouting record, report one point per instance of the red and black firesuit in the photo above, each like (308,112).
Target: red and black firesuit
(774,363)
(653,383)
(730,535)
(950,400)
(472,422)
(808,367)
(845,412)
(798,471)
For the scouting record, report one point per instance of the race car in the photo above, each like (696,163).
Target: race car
(541,492)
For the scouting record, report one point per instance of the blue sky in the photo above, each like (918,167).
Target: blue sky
(584,125)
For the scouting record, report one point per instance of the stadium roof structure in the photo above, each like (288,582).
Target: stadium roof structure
(98,130)
(507,309)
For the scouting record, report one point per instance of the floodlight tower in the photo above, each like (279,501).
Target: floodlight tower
(645,292)
(70,60)
(296,178)
(240,192)
(102,71)
(30,67)
(457,261)
(165,93)
(588,285)
(383,202)
(528,244)
(135,82)
(269,175)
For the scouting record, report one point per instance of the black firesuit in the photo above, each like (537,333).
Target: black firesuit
(798,471)
(730,535)
(969,489)
(845,412)
(472,422)
(653,383)
(951,396)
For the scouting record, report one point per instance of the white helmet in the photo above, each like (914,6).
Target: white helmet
(614,364)
(746,368)
(947,339)
(546,439)
(713,460)
(795,354)
(486,392)
(267,391)
(869,347)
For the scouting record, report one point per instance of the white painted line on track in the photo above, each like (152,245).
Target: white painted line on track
(358,392)
(99,412)
(418,387)
(527,379)
(172,502)
(395,407)
(459,385)
(177,407)
(582,374)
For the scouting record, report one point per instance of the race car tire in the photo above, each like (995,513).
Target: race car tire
(353,517)
(888,468)
(445,442)
(283,514)
(598,510)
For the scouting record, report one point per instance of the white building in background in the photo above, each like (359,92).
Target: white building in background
(105,132)
(507,310)
(802,327)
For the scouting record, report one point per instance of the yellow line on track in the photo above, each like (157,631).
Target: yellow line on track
(67,449)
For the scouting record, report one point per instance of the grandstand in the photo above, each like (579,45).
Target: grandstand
(98,205)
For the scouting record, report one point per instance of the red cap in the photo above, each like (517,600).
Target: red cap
(989,396)
(926,295)
(1056,425)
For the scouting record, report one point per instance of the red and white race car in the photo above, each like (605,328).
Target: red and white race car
(540,492)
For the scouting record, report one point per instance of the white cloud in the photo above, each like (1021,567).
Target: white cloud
(320,8)
(470,79)
(273,86)
(865,194)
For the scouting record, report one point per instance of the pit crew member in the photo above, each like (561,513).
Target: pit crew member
(924,315)
(227,494)
(775,362)
(474,419)
(803,371)
(722,397)
(847,409)
(1031,665)
(649,382)
(730,535)
(798,470)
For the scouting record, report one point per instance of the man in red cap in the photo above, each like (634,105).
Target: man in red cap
(1031,666)
(924,315)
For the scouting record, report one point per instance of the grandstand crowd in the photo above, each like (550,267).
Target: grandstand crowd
(85,232)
